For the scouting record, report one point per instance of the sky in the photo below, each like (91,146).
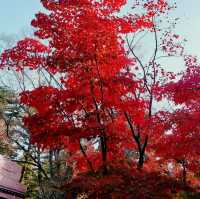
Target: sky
(189,27)
(16,15)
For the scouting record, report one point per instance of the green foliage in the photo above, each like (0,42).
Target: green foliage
(189,195)
(6,147)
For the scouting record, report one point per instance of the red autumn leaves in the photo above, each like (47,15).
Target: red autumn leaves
(98,97)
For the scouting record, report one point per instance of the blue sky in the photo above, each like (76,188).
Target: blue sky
(16,15)
(188,11)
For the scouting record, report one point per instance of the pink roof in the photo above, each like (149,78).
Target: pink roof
(10,173)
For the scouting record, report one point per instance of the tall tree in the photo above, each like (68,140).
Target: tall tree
(99,106)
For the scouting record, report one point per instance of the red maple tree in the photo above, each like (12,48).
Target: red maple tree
(100,109)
